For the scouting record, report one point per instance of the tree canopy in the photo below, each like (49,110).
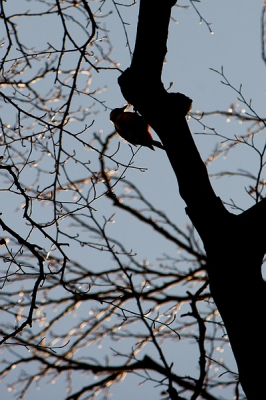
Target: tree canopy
(83,311)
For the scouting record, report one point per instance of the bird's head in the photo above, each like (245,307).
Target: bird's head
(116,111)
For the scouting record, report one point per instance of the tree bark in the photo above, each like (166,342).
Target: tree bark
(234,244)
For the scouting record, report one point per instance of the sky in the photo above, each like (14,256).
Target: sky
(193,52)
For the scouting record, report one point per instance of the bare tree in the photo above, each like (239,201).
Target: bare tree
(59,303)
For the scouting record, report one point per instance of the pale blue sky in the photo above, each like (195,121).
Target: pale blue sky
(235,44)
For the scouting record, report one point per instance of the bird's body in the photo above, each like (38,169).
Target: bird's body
(133,128)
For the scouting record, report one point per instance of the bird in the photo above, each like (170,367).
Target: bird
(133,128)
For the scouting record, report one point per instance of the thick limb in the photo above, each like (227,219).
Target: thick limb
(235,245)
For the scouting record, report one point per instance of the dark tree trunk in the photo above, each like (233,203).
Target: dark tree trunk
(235,245)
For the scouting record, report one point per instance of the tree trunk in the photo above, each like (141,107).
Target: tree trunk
(234,244)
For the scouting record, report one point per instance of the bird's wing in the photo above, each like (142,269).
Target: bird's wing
(132,125)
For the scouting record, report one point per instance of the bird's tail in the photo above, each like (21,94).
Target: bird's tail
(158,144)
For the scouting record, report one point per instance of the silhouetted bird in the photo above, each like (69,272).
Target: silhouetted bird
(133,128)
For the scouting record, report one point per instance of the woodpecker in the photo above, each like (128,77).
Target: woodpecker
(133,128)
